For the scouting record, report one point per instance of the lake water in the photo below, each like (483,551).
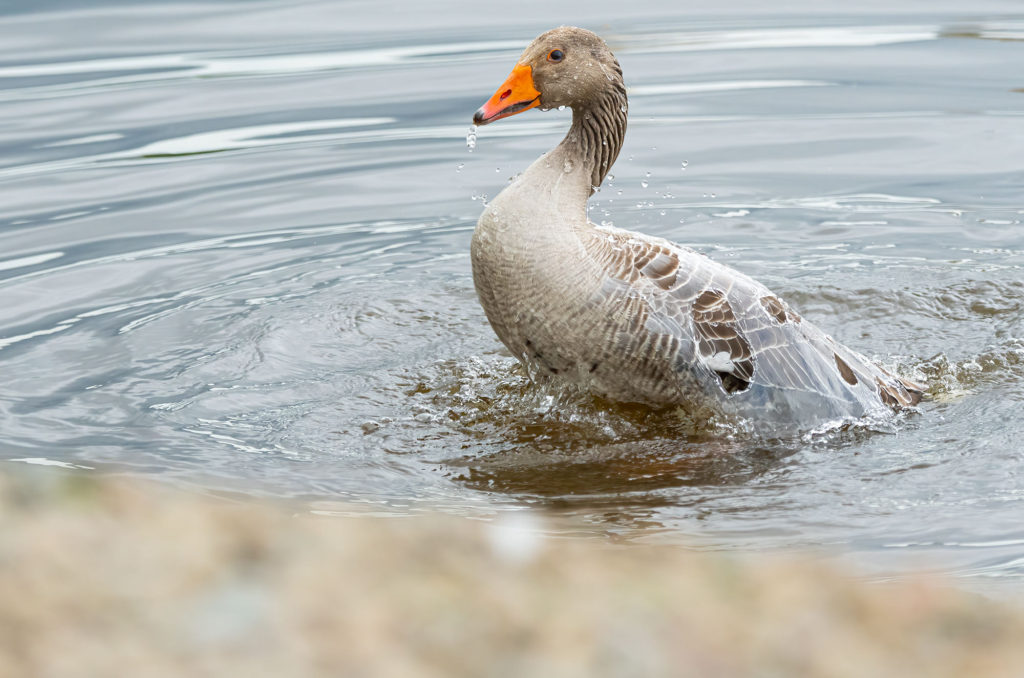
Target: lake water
(234,255)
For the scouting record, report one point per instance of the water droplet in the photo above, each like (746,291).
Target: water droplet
(713,195)
(684,165)
(647,174)
(644,183)
(471,138)
(561,108)
(661,212)
(622,108)
(682,220)
(567,166)
(497,169)
(460,166)
(611,177)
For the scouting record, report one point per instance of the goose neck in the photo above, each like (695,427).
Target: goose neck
(597,133)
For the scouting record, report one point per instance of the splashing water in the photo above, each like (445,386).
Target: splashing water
(471,138)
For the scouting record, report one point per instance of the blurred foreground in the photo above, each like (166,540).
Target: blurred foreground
(103,578)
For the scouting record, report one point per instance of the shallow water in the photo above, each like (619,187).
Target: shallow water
(234,245)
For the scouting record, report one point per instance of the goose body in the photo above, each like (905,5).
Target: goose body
(632,317)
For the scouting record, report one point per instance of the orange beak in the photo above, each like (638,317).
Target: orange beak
(516,94)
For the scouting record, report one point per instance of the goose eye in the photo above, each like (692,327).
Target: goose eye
(556,55)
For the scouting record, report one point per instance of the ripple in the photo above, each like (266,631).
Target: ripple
(774,38)
(266,137)
(216,141)
(722,86)
(90,74)
(32,260)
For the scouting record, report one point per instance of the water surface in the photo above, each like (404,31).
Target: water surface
(234,247)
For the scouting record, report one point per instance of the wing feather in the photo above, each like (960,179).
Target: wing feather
(746,337)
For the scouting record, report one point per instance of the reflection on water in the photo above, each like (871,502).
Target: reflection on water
(237,258)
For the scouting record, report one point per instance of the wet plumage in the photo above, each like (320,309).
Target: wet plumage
(629,316)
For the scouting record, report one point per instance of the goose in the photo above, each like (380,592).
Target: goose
(630,317)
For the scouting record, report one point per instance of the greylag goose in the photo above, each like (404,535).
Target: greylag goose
(631,317)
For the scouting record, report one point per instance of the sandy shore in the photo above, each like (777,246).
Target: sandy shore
(117,578)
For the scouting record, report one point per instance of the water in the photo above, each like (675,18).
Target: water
(234,255)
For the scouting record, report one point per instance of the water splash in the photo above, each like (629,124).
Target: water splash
(471,138)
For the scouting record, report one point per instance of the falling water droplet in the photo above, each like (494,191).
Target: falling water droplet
(644,183)
(497,169)
(460,166)
(684,165)
(611,177)
(471,138)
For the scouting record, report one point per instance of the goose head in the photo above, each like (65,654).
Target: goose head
(566,66)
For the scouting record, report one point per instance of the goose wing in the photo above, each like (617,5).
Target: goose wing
(735,330)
